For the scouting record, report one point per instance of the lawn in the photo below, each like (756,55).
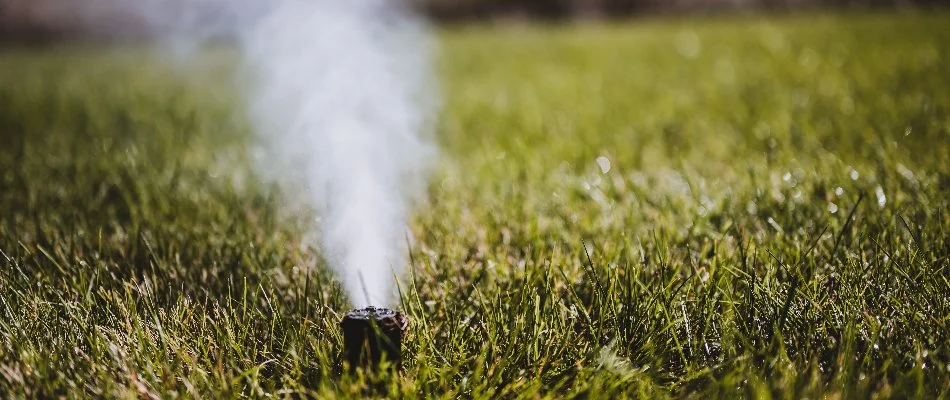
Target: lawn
(728,207)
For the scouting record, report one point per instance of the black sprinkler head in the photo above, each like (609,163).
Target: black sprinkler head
(372,334)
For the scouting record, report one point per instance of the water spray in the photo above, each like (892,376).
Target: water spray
(340,97)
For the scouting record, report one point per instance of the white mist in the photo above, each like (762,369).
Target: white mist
(340,95)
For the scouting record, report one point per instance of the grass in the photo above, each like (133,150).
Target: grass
(774,222)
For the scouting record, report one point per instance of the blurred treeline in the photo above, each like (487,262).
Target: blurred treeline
(54,20)
(465,10)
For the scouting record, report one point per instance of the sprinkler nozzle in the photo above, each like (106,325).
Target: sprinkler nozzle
(372,334)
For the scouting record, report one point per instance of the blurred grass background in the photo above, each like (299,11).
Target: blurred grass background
(733,206)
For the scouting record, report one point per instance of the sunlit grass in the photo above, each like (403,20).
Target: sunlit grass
(727,207)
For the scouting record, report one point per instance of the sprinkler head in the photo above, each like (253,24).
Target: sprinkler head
(371,334)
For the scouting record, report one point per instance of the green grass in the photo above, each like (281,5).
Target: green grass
(774,221)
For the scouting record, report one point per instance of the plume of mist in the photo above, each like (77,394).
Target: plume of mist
(340,94)
(341,97)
